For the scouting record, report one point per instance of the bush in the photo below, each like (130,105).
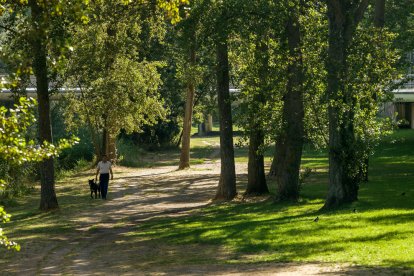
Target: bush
(162,135)
(19,178)
(82,152)
(69,158)
(130,155)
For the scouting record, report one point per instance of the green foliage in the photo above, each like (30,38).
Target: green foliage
(257,65)
(399,20)
(19,178)
(13,144)
(314,51)
(171,7)
(119,87)
(15,148)
(83,150)
(372,59)
(269,81)
(4,241)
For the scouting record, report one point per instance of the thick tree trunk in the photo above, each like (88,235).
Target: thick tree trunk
(340,190)
(256,180)
(344,172)
(227,184)
(189,103)
(48,199)
(289,144)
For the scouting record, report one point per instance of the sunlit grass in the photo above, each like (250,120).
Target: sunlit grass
(380,232)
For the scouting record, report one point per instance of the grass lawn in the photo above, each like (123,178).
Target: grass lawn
(379,233)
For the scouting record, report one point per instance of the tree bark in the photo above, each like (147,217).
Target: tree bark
(189,103)
(112,148)
(94,136)
(289,144)
(209,123)
(256,179)
(344,176)
(104,141)
(379,17)
(227,184)
(273,166)
(48,199)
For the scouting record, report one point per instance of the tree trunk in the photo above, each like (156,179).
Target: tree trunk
(273,166)
(48,199)
(112,148)
(344,176)
(256,179)
(105,134)
(289,144)
(94,136)
(227,184)
(209,123)
(189,103)
(379,18)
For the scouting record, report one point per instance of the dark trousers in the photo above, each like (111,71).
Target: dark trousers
(103,182)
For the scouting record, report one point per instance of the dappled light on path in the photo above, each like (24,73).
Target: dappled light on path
(155,222)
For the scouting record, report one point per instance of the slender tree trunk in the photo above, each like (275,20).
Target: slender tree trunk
(95,139)
(186,134)
(344,177)
(112,147)
(256,179)
(189,103)
(379,17)
(104,150)
(227,184)
(289,144)
(96,144)
(110,47)
(48,199)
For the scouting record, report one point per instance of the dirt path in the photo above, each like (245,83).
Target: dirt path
(101,244)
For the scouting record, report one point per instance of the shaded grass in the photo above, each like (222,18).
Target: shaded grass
(28,223)
(379,233)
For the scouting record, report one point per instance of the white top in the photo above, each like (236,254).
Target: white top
(104,167)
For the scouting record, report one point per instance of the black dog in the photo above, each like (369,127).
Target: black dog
(94,188)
